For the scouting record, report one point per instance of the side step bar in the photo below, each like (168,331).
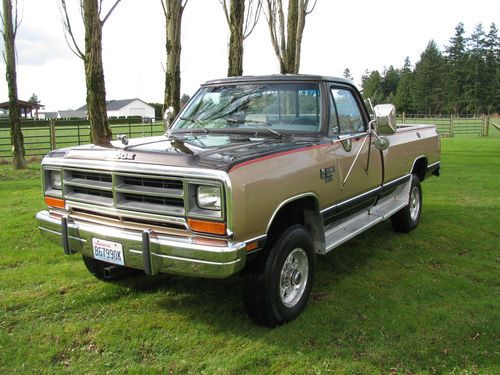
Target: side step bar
(340,232)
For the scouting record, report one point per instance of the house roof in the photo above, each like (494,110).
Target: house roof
(22,104)
(114,105)
(48,114)
(71,113)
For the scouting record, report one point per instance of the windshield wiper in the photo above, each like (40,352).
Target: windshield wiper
(261,124)
(195,121)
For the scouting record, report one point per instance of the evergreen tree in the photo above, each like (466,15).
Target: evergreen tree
(389,84)
(403,97)
(456,71)
(428,92)
(347,74)
(474,90)
(492,70)
(371,86)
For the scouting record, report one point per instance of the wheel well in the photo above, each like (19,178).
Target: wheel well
(304,211)
(420,168)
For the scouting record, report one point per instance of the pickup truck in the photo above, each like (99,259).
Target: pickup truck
(256,175)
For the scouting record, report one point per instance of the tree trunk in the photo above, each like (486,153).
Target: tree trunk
(287,45)
(236,20)
(174,10)
(291,33)
(100,131)
(16,134)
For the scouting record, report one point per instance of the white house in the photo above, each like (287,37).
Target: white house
(126,107)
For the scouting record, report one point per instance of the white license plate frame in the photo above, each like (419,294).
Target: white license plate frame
(108,251)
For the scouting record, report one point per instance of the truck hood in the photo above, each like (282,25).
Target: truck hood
(210,151)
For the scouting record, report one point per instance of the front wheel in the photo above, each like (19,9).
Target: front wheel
(278,288)
(408,217)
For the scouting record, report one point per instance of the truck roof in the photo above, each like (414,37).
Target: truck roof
(279,78)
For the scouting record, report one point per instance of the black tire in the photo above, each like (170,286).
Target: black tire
(408,218)
(290,263)
(96,268)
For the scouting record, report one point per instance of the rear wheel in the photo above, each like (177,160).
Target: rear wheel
(278,287)
(408,218)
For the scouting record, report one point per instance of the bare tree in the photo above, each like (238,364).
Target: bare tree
(9,32)
(241,19)
(173,10)
(286,37)
(100,132)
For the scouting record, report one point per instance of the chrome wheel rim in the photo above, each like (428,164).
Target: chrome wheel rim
(294,275)
(414,203)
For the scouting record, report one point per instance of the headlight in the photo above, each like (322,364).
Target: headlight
(55,179)
(208,197)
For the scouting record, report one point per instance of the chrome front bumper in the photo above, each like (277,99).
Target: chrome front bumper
(147,250)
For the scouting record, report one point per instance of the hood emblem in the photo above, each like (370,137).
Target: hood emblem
(119,155)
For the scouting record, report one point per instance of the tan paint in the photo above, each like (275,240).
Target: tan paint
(262,185)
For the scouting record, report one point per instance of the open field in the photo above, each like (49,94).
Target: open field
(425,302)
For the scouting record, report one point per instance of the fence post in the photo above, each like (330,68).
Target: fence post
(404,117)
(451,126)
(52,129)
(486,126)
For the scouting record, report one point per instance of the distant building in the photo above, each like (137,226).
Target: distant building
(25,108)
(126,108)
(69,113)
(47,115)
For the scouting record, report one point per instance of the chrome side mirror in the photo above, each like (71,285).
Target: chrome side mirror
(168,116)
(385,118)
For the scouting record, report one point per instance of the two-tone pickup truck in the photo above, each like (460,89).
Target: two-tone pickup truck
(256,174)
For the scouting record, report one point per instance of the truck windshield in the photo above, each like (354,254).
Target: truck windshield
(277,108)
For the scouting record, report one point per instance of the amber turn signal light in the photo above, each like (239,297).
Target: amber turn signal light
(54,202)
(207,226)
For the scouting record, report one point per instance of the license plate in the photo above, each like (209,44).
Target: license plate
(108,251)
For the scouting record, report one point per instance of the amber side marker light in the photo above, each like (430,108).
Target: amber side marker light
(207,226)
(54,202)
(252,246)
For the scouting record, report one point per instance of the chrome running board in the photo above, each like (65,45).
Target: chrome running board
(339,232)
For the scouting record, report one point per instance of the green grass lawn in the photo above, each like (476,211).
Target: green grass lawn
(424,302)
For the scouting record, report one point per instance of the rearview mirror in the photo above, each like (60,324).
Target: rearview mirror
(385,118)
(168,116)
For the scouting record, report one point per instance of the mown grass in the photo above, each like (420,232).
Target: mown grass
(426,302)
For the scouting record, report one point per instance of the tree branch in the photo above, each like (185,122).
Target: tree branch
(312,8)
(110,11)
(164,8)
(226,12)
(252,18)
(69,31)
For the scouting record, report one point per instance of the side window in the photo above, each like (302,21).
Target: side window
(349,116)
(333,127)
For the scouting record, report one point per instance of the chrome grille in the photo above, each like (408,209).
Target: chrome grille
(145,193)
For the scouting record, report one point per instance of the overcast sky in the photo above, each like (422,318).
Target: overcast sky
(358,35)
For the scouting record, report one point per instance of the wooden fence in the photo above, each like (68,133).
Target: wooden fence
(451,126)
(42,137)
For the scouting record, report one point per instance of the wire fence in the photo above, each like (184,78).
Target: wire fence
(42,136)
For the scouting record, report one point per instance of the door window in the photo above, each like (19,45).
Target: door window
(347,110)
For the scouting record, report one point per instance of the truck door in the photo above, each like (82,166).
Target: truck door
(359,163)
